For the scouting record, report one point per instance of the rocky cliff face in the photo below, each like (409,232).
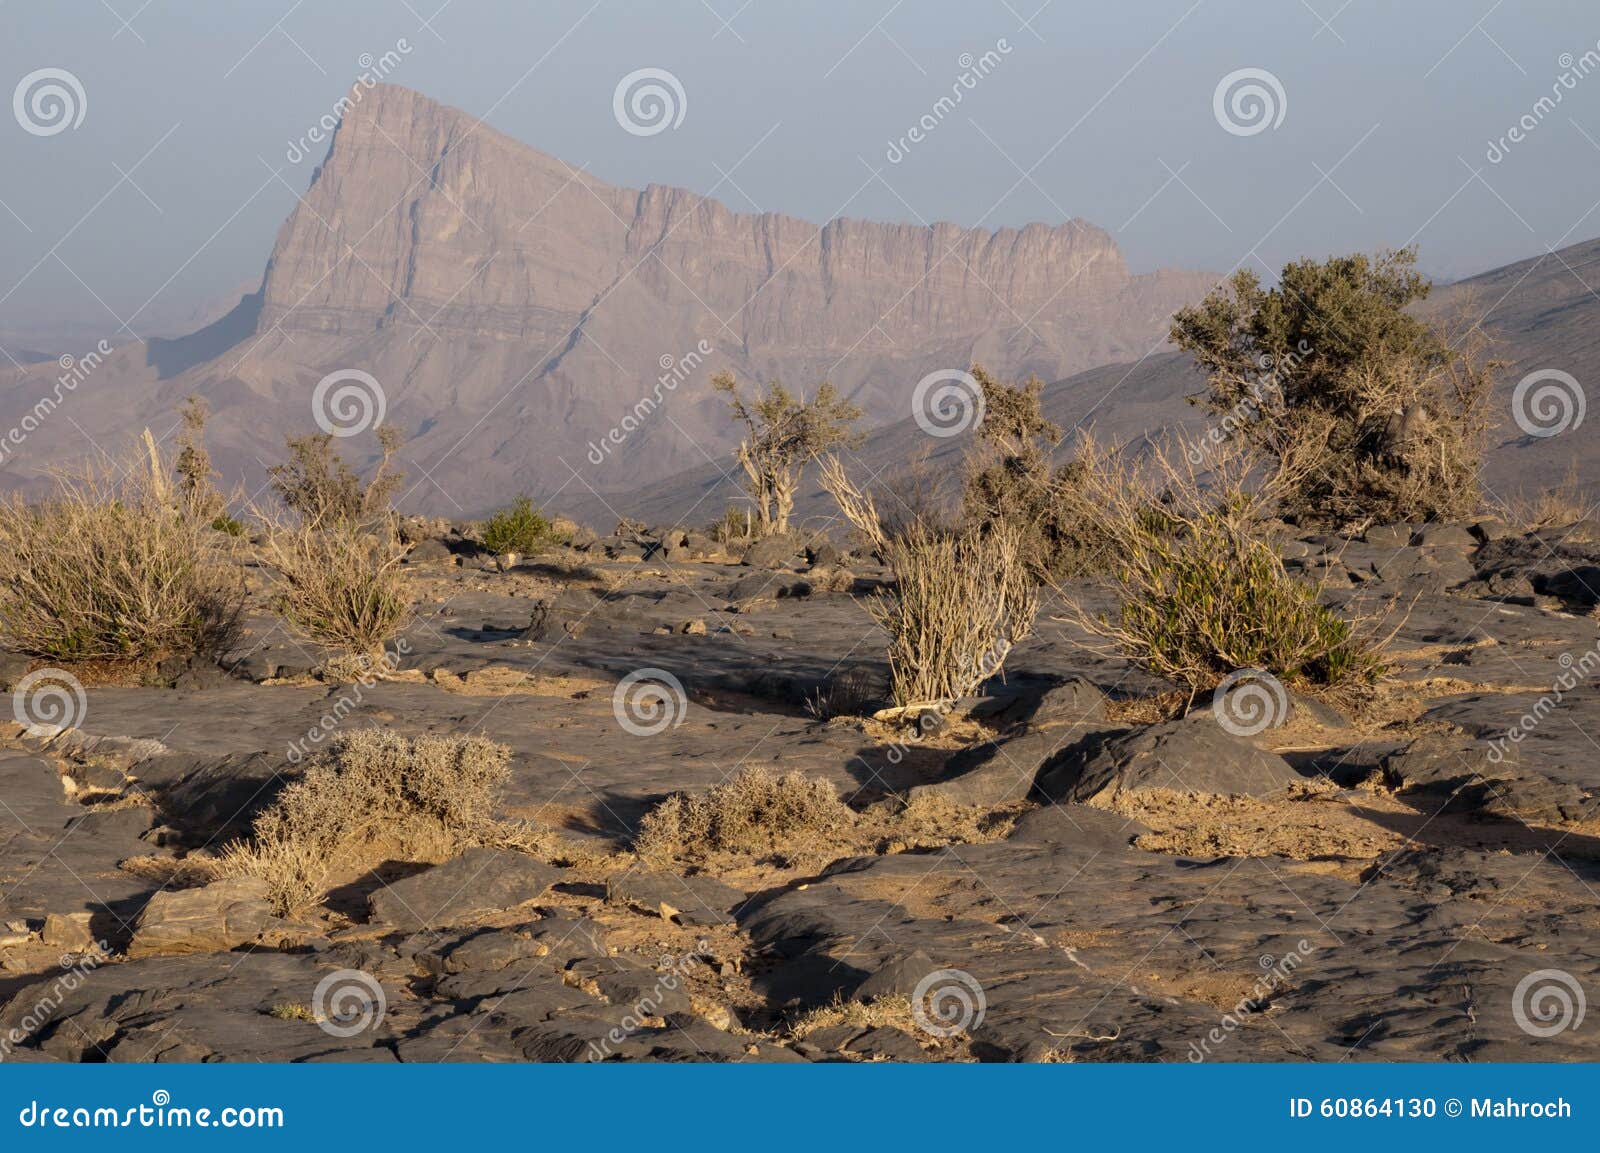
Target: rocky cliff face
(516,311)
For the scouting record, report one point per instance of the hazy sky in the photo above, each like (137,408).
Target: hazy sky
(163,198)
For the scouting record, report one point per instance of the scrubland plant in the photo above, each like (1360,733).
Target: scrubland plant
(338,583)
(959,603)
(113,566)
(372,796)
(1201,587)
(519,527)
(1010,480)
(321,488)
(783,433)
(1376,414)
(753,811)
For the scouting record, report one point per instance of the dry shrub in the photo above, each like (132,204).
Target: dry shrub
(1203,591)
(338,584)
(321,488)
(112,567)
(372,796)
(1565,504)
(960,602)
(958,606)
(751,812)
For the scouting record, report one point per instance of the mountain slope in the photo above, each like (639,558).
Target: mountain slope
(515,310)
(1541,313)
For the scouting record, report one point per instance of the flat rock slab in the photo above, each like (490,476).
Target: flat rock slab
(212,919)
(473,885)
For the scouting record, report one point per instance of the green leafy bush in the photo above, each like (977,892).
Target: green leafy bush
(520,527)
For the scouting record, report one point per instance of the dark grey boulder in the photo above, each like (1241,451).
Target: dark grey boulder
(1194,754)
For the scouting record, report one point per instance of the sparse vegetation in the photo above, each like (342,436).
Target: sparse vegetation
(518,528)
(197,486)
(1373,414)
(1203,592)
(959,604)
(339,585)
(783,434)
(372,796)
(752,812)
(321,488)
(1010,481)
(112,568)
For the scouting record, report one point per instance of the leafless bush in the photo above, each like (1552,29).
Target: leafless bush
(373,795)
(112,567)
(959,603)
(752,812)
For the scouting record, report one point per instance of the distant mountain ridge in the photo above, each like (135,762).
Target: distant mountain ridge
(514,309)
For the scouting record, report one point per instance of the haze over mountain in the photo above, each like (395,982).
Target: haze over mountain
(514,310)
(1541,312)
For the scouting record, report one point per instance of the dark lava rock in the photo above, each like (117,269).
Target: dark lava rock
(430,554)
(478,882)
(1194,754)
(697,900)
(1480,776)
(773,551)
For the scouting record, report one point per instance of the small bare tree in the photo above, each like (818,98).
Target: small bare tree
(783,434)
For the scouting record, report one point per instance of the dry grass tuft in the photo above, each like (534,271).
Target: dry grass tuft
(338,584)
(112,568)
(884,1012)
(960,602)
(752,812)
(375,795)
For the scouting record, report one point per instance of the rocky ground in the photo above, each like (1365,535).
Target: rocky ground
(1063,869)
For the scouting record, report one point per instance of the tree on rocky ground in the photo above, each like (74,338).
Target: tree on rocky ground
(1370,412)
(784,433)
